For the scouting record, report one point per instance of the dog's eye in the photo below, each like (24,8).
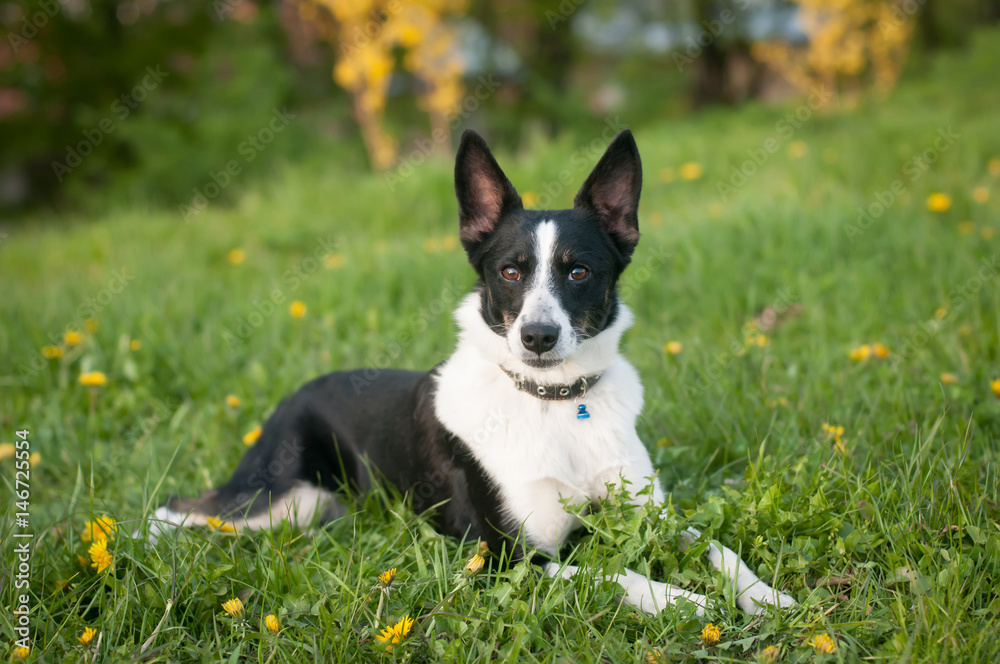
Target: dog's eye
(510,273)
(579,273)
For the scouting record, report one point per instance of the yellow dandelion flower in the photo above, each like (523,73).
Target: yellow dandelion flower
(710,635)
(236,256)
(101,528)
(449,242)
(940,313)
(135,344)
(798,149)
(667,175)
(232,401)
(215,523)
(387,577)
(529,199)
(234,607)
(87,637)
(986,232)
(861,353)
(993,166)
(72,338)
(966,228)
(965,330)
(655,219)
(432,245)
(397,633)
(52,352)
(938,202)
(995,386)
(663,442)
(100,557)
(20,652)
(880,351)
(35,458)
(980,194)
(297,309)
(91,325)
(673,347)
(252,436)
(762,340)
(93,379)
(769,655)
(334,261)
(949,378)
(6,451)
(475,564)
(272,623)
(690,171)
(823,644)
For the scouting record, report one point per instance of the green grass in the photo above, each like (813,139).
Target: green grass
(905,511)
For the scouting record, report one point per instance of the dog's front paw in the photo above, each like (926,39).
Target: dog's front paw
(756,599)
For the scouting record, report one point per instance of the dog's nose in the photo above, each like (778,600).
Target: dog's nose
(539,337)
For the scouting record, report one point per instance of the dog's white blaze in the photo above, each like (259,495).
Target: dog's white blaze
(540,303)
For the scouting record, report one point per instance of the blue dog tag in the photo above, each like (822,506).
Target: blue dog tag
(581,412)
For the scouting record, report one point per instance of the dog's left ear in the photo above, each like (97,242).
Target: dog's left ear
(484,193)
(612,192)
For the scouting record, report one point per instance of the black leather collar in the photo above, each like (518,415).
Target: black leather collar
(577,390)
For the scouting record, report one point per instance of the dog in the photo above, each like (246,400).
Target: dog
(535,406)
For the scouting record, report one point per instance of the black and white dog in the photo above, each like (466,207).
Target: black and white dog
(535,406)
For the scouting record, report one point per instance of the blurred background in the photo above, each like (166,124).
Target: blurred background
(136,100)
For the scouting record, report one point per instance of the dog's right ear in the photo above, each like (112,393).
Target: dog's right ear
(484,193)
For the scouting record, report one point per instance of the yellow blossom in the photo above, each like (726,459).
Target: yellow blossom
(690,170)
(297,309)
(949,378)
(667,175)
(397,633)
(980,194)
(387,577)
(101,528)
(6,451)
(823,644)
(52,352)
(769,655)
(234,607)
(710,635)
(215,523)
(475,564)
(232,401)
(252,436)
(100,557)
(938,202)
(272,623)
(965,330)
(940,313)
(93,379)
(861,353)
(966,228)
(72,338)
(91,325)
(236,256)
(986,232)
(995,386)
(334,262)
(135,344)
(35,458)
(529,199)
(673,347)
(20,652)
(993,166)
(880,351)
(87,637)
(449,242)
(432,245)
(798,149)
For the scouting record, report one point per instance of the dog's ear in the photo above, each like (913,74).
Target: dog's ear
(484,193)
(611,191)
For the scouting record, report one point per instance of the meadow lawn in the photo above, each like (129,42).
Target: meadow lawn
(887,531)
